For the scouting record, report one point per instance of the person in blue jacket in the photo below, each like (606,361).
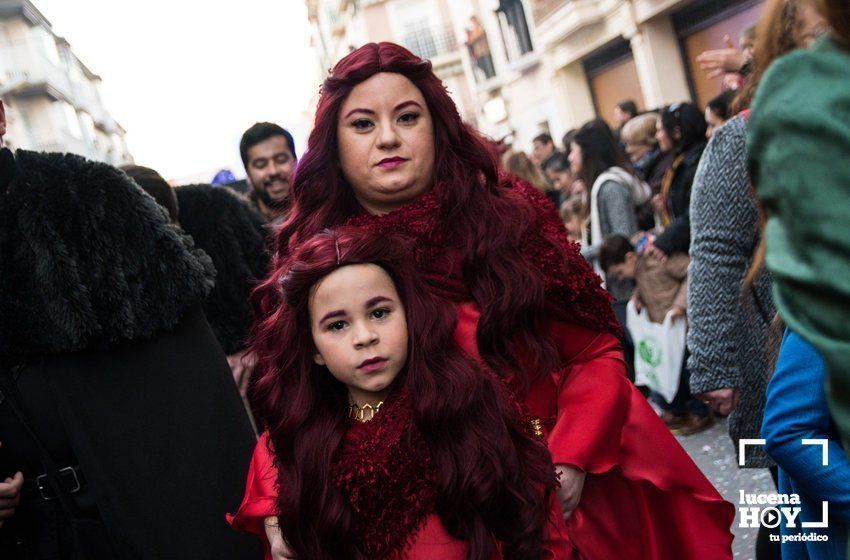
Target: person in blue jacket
(797,409)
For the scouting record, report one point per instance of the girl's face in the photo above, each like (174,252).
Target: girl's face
(359,330)
(574,225)
(662,137)
(576,159)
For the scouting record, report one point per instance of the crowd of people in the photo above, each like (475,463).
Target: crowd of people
(416,342)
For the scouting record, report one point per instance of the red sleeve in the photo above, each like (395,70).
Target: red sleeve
(640,481)
(591,390)
(260,499)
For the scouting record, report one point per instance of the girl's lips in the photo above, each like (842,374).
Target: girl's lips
(373,365)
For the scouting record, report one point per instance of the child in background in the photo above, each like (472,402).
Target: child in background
(662,288)
(573,215)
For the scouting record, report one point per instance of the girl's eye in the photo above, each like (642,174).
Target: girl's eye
(362,124)
(381,313)
(336,326)
(408,117)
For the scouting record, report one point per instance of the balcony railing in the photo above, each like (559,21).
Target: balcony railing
(59,140)
(430,42)
(35,71)
(87,99)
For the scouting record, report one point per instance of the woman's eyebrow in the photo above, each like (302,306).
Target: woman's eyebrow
(401,106)
(398,107)
(367,111)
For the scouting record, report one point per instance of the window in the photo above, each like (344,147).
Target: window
(514,28)
(46,43)
(71,119)
(419,39)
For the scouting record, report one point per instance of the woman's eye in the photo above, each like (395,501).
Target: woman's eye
(362,124)
(336,326)
(408,117)
(381,313)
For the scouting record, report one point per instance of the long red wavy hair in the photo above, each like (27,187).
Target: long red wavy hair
(479,209)
(492,479)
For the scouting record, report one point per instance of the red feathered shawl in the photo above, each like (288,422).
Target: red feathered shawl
(573,290)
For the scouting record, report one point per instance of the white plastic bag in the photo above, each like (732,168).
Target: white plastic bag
(659,351)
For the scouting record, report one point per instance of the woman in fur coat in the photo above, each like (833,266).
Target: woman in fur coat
(116,404)
(233,235)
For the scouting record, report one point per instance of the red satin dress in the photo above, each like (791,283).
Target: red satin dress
(643,497)
(431,542)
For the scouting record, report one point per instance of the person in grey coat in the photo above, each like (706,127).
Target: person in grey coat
(728,326)
(612,193)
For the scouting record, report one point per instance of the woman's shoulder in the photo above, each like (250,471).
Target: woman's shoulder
(825,63)
(693,156)
(524,193)
(725,154)
(805,84)
(573,288)
(734,130)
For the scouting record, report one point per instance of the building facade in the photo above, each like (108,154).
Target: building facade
(517,68)
(426,27)
(52,99)
(599,52)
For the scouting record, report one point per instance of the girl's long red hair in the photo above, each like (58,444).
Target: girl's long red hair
(492,480)
(480,211)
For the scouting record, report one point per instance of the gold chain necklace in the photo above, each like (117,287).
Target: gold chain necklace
(363,413)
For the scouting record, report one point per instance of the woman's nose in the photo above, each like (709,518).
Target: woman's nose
(388,138)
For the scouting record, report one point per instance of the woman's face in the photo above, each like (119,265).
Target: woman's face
(385,137)
(359,329)
(576,159)
(714,122)
(665,143)
(637,151)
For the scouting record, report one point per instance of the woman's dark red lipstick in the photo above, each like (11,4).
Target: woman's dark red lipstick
(391,162)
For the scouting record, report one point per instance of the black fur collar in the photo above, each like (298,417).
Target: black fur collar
(88,260)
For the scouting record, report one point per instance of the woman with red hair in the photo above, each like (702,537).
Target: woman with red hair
(388,441)
(390,154)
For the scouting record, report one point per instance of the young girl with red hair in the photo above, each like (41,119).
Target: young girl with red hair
(390,154)
(384,439)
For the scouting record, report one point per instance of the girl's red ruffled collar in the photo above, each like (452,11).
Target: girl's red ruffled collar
(385,470)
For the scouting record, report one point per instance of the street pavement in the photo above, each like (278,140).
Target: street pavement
(715,455)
